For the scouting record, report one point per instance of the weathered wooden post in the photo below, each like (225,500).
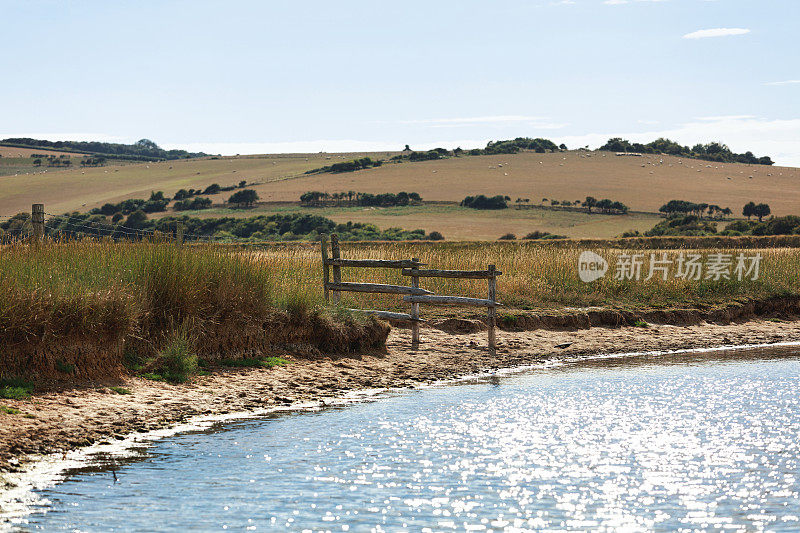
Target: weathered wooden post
(179,233)
(337,270)
(323,242)
(492,309)
(37,221)
(415,306)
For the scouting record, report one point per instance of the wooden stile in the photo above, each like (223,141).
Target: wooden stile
(414,294)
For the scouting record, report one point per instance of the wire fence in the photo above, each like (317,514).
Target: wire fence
(72,226)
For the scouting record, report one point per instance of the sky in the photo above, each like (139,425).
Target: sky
(305,76)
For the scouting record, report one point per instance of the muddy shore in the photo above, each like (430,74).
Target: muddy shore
(54,422)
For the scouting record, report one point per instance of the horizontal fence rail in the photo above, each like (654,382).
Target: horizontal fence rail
(451,300)
(464,274)
(372,263)
(376,288)
(413,294)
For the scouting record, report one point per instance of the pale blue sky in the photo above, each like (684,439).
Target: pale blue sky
(255,76)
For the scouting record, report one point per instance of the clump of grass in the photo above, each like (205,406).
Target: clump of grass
(120,390)
(177,362)
(255,362)
(15,389)
(641,324)
(9,410)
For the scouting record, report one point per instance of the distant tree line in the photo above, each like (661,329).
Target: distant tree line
(532,236)
(674,207)
(194,204)
(214,188)
(353,198)
(512,146)
(485,202)
(606,206)
(142,150)
(685,219)
(278,227)
(156,203)
(347,166)
(708,152)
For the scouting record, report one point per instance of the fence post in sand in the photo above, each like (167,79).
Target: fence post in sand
(492,310)
(37,221)
(415,306)
(326,278)
(337,270)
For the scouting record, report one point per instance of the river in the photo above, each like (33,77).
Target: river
(690,442)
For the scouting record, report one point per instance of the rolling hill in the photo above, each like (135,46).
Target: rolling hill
(643,183)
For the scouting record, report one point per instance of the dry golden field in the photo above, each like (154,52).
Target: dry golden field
(10,151)
(643,183)
(84,188)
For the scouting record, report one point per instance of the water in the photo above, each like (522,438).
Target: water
(634,446)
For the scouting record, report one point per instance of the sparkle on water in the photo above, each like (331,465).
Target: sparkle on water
(607,446)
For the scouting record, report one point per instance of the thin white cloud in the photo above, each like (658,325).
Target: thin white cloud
(716,32)
(785,82)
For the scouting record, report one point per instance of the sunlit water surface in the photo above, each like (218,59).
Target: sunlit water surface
(701,445)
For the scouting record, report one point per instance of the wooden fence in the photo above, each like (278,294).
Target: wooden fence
(413,294)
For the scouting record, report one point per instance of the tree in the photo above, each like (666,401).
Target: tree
(137,219)
(749,209)
(214,188)
(147,144)
(242,184)
(761,210)
(562,146)
(589,203)
(245,198)
(37,162)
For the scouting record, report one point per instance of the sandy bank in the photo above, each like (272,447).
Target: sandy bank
(59,421)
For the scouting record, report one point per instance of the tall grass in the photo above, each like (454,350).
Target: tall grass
(544,276)
(141,294)
(105,293)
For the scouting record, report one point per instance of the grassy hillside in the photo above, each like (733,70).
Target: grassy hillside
(461,223)
(642,183)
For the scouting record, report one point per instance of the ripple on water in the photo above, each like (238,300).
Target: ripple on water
(703,446)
